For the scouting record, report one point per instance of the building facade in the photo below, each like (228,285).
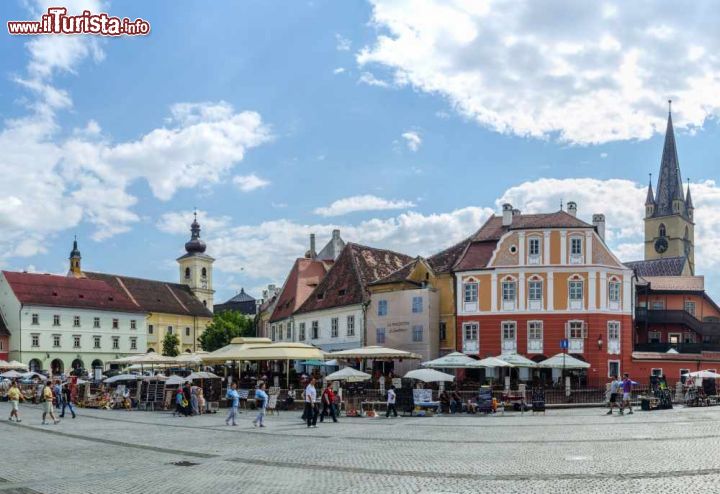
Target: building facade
(404,313)
(59,323)
(333,317)
(528,282)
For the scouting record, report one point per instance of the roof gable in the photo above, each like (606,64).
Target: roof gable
(347,281)
(305,275)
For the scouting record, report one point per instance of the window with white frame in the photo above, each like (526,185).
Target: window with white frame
(315,327)
(334,327)
(35,340)
(301,331)
(288,333)
(133,324)
(96,323)
(115,342)
(115,323)
(509,294)
(576,336)
(56,320)
(382,308)
(96,342)
(690,307)
(76,321)
(470,296)
(613,368)
(576,250)
(380,336)
(535,336)
(187,331)
(76,341)
(509,337)
(575,293)
(351,325)
(56,341)
(272,332)
(417,305)
(35,319)
(656,371)
(614,293)
(535,293)
(442,331)
(470,337)
(281,331)
(654,337)
(417,334)
(688,337)
(613,337)
(534,250)
(133,343)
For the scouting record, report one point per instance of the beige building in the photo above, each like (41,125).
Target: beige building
(405,317)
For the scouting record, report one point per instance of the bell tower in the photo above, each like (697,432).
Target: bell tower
(196,267)
(75,261)
(669,224)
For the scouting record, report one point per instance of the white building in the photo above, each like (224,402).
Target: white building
(58,323)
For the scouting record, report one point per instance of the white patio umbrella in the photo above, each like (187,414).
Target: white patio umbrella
(13,365)
(429,376)
(704,374)
(3,364)
(492,362)
(455,360)
(33,375)
(563,361)
(348,374)
(201,375)
(11,374)
(122,377)
(175,380)
(517,360)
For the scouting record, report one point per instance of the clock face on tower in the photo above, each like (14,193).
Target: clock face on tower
(661,245)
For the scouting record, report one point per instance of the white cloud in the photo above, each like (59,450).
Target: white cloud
(362,203)
(251,182)
(52,179)
(339,70)
(369,79)
(603,155)
(523,68)
(412,140)
(342,43)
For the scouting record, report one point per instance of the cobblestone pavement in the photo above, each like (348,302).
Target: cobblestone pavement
(578,450)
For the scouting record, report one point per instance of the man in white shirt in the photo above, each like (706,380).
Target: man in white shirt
(311,408)
(613,395)
(391,402)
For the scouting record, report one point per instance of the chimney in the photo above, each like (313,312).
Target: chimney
(516,212)
(507,214)
(311,253)
(336,234)
(572,208)
(599,224)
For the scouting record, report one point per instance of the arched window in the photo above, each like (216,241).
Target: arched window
(661,230)
(687,233)
(187,272)
(204,272)
(575,292)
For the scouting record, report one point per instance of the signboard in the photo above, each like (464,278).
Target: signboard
(564,344)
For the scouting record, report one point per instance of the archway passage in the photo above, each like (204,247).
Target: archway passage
(57,367)
(77,364)
(97,363)
(151,350)
(35,365)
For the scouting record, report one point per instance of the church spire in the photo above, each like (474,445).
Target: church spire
(650,199)
(688,198)
(669,188)
(75,260)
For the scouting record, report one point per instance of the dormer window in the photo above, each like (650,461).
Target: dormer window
(534,250)
(576,250)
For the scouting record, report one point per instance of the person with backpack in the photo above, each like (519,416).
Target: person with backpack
(328,403)
(261,401)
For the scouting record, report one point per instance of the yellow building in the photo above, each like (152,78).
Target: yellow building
(184,308)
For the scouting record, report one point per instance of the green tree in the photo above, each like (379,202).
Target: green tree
(170,345)
(224,327)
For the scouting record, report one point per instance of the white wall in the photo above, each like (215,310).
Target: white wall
(324,319)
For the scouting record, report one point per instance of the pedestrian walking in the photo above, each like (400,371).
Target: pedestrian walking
(261,401)
(48,404)
(57,392)
(180,403)
(66,397)
(613,395)
(328,403)
(188,397)
(391,397)
(194,400)
(627,389)
(234,398)
(311,408)
(14,396)
(201,400)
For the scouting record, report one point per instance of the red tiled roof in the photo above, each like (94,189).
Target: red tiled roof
(667,266)
(346,282)
(493,229)
(398,275)
(155,295)
(477,256)
(305,275)
(61,291)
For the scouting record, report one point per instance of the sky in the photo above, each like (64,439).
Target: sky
(403,124)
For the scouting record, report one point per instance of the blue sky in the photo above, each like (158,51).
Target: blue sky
(420,121)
